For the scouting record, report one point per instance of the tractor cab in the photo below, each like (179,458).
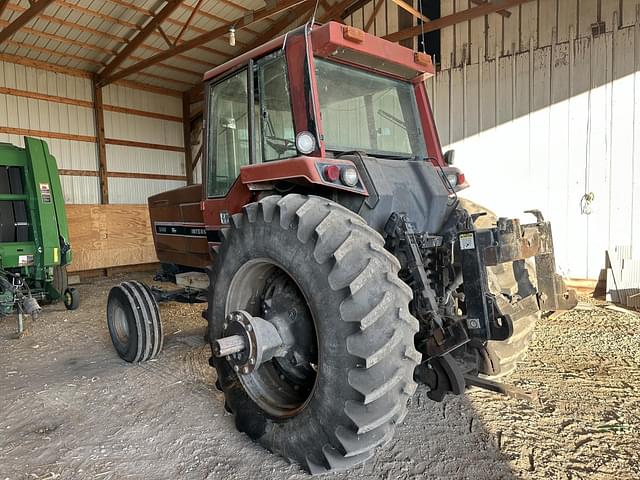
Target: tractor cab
(328,109)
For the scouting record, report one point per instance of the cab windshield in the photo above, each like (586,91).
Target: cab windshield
(368,112)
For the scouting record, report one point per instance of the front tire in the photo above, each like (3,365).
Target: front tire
(360,324)
(134,322)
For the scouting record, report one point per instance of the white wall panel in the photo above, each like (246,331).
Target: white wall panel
(553,127)
(137,190)
(141,100)
(80,189)
(142,129)
(20,112)
(144,160)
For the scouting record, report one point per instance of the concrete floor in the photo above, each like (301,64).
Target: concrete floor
(70,408)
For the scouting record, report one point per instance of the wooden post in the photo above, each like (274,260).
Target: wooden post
(186,124)
(102,150)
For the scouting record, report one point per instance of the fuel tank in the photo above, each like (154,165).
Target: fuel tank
(178,227)
(404,186)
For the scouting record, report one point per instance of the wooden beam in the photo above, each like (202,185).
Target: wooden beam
(100,140)
(44,134)
(338,9)
(187,23)
(408,8)
(150,88)
(142,113)
(3,6)
(350,9)
(296,13)
(87,104)
(142,35)
(288,18)
(149,176)
(372,18)
(165,36)
(92,173)
(29,62)
(28,15)
(43,96)
(504,13)
(101,34)
(239,23)
(186,130)
(448,20)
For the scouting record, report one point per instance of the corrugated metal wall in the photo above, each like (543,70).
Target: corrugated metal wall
(550,124)
(24,113)
(69,129)
(125,126)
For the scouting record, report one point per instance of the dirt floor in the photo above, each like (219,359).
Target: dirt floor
(70,408)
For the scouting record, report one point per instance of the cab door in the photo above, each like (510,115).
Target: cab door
(229,146)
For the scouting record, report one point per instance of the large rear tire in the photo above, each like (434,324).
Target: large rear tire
(361,331)
(500,358)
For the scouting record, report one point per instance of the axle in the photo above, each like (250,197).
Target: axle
(250,342)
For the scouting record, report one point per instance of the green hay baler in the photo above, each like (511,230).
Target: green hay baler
(34,235)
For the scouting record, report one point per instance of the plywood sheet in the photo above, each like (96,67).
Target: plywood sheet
(105,236)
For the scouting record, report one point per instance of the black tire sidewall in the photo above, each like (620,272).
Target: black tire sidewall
(75,298)
(127,351)
(325,408)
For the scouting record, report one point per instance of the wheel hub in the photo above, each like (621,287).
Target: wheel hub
(268,338)
(249,342)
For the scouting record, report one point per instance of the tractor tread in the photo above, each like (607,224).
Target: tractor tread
(379,353)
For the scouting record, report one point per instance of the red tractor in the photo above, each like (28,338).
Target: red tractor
(343,268)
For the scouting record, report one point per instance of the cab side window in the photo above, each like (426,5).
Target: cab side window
(228,147)
(278,134)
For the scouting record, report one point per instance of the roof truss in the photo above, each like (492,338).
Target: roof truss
(458,17)
(239,23)
(28,15)
(142,35)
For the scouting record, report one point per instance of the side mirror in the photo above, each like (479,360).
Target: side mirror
(449,157)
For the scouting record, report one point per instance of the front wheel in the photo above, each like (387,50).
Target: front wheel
(71,298)
(315,276)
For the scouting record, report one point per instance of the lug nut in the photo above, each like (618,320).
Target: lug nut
(249,327)
(245,370)
(252,361)
(236,368)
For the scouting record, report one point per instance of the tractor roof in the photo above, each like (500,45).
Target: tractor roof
(348,45)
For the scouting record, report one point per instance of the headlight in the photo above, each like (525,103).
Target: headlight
(453,179)
(305,142)
(349,176)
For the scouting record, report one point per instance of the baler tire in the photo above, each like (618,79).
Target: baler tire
(71,298)
(500,358)
(133,319)
(365,333)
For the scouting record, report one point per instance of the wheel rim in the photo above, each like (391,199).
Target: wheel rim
(283,386)
(120,324)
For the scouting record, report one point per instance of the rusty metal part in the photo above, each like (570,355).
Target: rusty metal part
(497,387)
(510,241)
